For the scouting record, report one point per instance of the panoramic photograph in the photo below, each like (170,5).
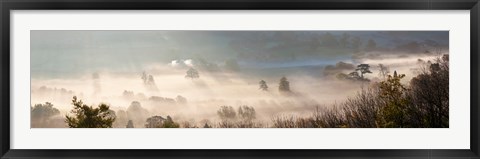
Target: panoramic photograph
(239,79)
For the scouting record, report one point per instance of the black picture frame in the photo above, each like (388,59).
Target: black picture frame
(5,72)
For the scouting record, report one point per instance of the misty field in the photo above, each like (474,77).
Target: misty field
(239,79)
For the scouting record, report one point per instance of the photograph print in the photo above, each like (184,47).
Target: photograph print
(239,79)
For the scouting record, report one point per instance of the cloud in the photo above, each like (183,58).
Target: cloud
(181,63)
(174,63)
(188,62)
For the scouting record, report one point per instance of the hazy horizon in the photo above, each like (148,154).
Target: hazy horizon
(151,67)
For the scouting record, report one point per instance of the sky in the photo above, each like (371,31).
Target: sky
(71,53)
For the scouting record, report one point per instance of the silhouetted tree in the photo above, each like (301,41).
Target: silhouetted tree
(246,116)
(149,81)
(364,69)
(362,110)
(424,103)
(246,113)
(144,77)
(383,71)
(155,122)
(192,74)
(284,85)
(207,126)
(181,100)
(89,117)
(137,113)
(226,112)
(128,94)
(263,85)
(228,116)
(430,93)
(393,92)
(169,123)
(121,119)
(130,124)
(160,122)
(41,114)
(354,76)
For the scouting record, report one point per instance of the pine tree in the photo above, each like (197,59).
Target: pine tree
(206,126)
(284,85)
(263,85)
(130,124)
(89,117)
(364,69)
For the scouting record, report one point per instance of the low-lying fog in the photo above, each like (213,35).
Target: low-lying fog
(221,81)
(205,95)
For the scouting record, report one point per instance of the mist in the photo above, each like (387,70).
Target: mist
(149,71)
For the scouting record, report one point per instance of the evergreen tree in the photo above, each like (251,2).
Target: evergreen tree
(130,124)
(263,85)
(364,69)
(206,126)
(89,117)
(284,85)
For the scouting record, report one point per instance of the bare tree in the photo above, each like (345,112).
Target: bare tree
(383,71)
(226,112)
